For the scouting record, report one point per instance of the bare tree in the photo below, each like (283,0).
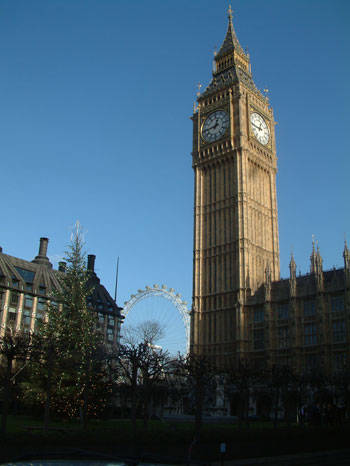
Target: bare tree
(148,331)
(198,373)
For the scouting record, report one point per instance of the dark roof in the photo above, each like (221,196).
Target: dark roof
(17,273)
(231,42)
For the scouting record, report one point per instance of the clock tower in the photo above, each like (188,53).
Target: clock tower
(235,207)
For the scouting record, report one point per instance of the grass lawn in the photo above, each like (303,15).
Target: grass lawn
(165,440)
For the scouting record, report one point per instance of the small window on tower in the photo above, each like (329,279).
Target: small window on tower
(337,303)
(259,315)
(309,308)
(283,311)
(339,333)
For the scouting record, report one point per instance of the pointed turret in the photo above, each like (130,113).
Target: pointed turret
(292,276)
(316,266)
(267,284)
(346,256)
(231,64)
(231,42)
(313,257)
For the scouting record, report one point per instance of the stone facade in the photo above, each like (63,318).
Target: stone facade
(25,289)
(237,291)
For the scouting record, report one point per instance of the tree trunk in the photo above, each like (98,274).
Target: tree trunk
(7,393)
(48,397)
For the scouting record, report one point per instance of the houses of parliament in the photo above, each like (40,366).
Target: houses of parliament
(241,309)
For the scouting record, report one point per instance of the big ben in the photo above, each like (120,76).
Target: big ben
(235,207)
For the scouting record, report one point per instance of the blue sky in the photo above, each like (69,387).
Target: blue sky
(95,100)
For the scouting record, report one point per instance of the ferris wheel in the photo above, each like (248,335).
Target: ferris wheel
(162,305)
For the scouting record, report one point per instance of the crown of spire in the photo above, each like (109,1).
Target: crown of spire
(231,42)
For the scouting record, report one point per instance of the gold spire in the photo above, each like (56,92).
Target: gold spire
(231,42)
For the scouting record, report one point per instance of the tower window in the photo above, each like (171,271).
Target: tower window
(283,311)
(337,303)
(283,337)
(310,334)
(339,331)
(312,361)
(259,339)
(259,315)
(309,308)
(339,361)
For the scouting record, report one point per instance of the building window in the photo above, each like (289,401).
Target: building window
(42,289)
(310,334)
(26,318)
(338,331)
(339,361)
(14,297)
(312,361)
(259,341)
(283,311)
(42,304)
(283,337)
(111,321)
(110,334)
(27,275)
(29,287)
(259,315)
(2,298)
(337,303)
(101,318)
(15,282)
(309,308)
(28,301)
(12,316)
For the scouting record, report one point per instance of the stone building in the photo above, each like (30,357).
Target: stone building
(25,289)
(241,308)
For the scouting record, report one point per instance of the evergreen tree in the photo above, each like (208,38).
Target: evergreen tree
(69,349)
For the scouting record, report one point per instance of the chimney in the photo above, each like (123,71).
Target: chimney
(62,267)
(42,258)
(91,262)
(43,246)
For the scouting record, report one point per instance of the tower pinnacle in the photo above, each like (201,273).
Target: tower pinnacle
(231,42)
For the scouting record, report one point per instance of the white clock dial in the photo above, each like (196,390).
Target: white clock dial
(215,126)
(260,128)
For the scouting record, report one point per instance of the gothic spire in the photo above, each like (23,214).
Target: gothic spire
(346,255)
(231,42)
(313,257)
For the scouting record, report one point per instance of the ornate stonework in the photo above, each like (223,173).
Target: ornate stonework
(241,309)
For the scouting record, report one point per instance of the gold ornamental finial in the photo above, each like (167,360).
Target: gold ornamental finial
(230,12)
(199,85)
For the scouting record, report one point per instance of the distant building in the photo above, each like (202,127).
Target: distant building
(25,289)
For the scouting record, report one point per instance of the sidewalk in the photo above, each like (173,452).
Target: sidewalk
(331,458)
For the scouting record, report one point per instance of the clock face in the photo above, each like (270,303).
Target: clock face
(215,126)
(260,129)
